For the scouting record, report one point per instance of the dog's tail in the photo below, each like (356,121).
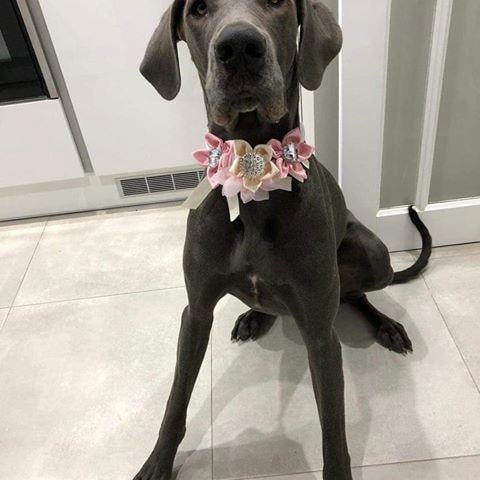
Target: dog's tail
(422,261)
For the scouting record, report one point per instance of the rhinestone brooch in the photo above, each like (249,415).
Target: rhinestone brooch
(289,153)
(252,165)
(214,157)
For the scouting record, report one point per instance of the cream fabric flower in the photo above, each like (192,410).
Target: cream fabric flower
(253,165)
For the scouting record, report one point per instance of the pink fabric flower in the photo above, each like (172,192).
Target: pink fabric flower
(291,155)
(253,174)
(216,158)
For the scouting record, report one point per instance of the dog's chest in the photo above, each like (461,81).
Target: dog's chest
(257,274)
(255,288)
(259,295)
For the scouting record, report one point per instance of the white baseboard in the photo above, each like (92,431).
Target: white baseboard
(68,196)
(451,222)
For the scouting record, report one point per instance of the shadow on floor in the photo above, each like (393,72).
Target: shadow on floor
(252,447)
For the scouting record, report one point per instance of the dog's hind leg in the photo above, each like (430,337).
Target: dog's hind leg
(364,266)
(192,343)
(388,333)
(252,325)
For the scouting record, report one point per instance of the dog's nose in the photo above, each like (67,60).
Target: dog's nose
(240,43)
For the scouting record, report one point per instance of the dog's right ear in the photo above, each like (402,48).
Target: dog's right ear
(160,64)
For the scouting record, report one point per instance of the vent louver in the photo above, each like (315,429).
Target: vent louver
(185,180)
(168,182)
(134,186)
(160,183)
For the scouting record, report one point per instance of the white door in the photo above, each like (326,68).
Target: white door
(409,117)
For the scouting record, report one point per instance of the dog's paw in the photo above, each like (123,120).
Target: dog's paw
(394,337)
(247,326)
(252,325)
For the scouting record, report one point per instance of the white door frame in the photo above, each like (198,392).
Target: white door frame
(363,81)
(363,67)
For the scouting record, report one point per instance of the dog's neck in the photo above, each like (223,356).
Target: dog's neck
(254,130)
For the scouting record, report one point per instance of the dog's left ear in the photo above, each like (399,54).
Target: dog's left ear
(160,64)
(320,42)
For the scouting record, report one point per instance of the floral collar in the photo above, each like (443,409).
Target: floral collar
(252,172)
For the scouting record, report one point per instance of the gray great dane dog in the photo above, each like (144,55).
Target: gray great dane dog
(301,252)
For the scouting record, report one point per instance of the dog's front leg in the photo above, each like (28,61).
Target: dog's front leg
(314,313)
(192,344)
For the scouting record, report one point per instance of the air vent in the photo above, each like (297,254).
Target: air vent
(168,182)
(185,180)
(160,183)
(134,186)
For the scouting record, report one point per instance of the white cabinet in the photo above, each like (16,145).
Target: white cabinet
(126,125)
(36,144)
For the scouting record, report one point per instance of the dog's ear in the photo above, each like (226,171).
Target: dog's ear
(160,65)
(320,42)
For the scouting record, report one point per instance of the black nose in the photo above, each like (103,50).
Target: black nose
(240,44)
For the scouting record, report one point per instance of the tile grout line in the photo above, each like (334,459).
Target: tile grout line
(415,253)
(450,257)
(357,467)
(3,323)
(76,299)
(421,460)
(451,335)
(24,275)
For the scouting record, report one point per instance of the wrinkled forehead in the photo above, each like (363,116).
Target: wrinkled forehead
(225,12)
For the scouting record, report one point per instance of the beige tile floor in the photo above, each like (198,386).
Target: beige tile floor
(89,315)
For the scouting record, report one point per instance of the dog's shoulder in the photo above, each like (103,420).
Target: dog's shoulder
(334,199)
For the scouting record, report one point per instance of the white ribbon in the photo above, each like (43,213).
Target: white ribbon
(200,193)
(233,207)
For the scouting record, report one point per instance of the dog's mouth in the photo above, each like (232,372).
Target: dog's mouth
(226,104)
(245,101)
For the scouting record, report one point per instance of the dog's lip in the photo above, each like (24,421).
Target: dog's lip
(245,103)
(245,96)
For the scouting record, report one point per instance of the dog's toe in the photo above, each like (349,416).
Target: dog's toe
(393,336)
(246,327)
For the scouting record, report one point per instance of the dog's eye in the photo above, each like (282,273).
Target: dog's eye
(199,8)
(275,3)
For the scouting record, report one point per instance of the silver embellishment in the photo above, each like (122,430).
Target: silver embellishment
(252,165)
(214,157)
(289,153)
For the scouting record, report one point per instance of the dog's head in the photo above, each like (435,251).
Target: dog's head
(245,51)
